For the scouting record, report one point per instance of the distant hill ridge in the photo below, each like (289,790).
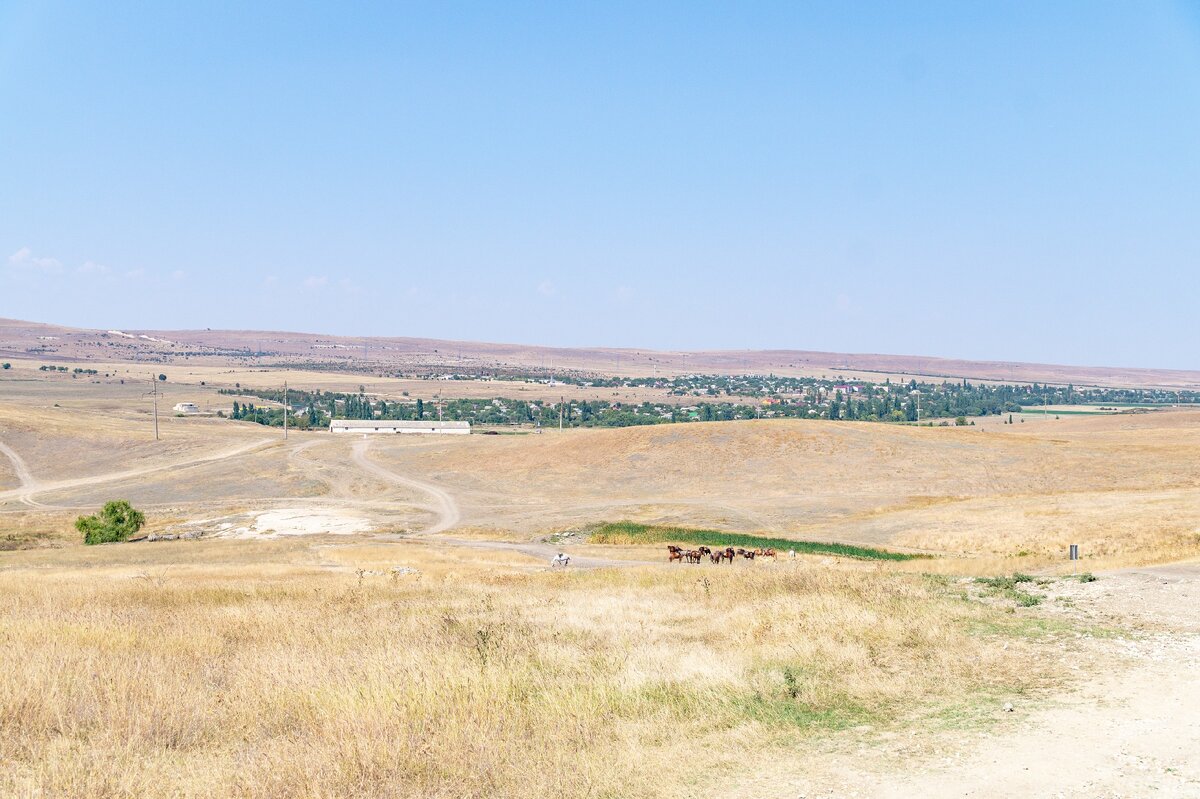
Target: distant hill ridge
(23,339)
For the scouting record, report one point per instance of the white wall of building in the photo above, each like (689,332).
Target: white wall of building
(399,427)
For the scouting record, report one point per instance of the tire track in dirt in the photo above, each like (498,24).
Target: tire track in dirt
(27,491)
(443,505)
(25,478)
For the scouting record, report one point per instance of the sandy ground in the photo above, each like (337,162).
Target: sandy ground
(1127,727)
(283,522)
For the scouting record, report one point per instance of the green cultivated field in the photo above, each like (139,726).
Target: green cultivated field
(634,533)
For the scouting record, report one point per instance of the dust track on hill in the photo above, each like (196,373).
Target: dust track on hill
(443,505)
(31,487)
(25,477)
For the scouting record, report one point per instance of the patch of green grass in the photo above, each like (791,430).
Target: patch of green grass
(634,533)
(1021,627)
(1007,587)
(1086,577)
(791,713)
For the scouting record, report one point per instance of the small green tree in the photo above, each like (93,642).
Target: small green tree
(163,378)
(116,521)
(7,365)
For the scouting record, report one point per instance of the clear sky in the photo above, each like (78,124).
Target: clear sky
(987,180)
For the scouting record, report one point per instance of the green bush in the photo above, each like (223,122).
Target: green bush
(116,521)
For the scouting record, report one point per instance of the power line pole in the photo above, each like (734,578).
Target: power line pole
(154,394)
(285,409)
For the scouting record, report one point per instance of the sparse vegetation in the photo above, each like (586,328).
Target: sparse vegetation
(1009,588)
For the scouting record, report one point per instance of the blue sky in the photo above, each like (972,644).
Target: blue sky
(1005,181)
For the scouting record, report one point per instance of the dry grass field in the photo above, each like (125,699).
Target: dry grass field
(235,669)
(281,654)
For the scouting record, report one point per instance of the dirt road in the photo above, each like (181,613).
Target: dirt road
(443,505)
(31,487)
(1127,727)
(542,551)
(24,476)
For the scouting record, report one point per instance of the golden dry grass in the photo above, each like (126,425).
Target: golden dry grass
(188,674)
(1124,487)
(270,668)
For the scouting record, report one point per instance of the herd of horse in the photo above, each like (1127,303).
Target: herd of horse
(716,556)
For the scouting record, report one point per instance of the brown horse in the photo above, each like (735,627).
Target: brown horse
(765,553)
(729,554)
(674,553)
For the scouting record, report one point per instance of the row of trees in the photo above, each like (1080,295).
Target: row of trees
(301,419)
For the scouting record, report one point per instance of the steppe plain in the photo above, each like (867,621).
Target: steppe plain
(377,617)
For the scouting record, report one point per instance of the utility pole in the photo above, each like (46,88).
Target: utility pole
(285,410)
(154,394)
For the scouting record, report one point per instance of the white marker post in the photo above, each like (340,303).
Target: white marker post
(1074,554)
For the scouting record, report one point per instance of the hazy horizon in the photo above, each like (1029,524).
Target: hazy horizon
(1007,184)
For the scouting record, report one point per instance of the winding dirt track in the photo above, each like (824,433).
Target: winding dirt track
(30,486)
(24,476)
(443,505)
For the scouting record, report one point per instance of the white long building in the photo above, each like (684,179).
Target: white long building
(397,426)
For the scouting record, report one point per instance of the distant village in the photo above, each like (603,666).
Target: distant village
(710,398)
